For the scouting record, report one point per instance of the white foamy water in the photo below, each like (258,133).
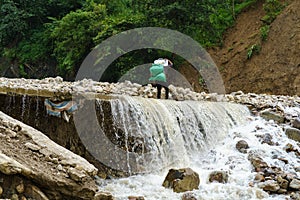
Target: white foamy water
(171,132)
(222,156)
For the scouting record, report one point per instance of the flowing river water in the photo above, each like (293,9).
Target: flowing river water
(199,135)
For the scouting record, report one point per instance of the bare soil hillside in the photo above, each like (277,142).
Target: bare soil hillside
(276,68)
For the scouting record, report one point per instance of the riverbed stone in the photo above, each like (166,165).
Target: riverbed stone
(295,195)
(269,186)
(257,162)
(259,177)
(283,183)
(218,176)
(182,180)
(188,196)
(103,196)
(270,115)
(293,134)
(295,184)
(267,139)
(242,146)
(296,123)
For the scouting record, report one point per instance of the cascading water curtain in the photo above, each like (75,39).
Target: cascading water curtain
(168,133)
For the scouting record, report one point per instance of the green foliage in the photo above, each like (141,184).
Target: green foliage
(272,9)
(116,24)
(34,48)
(18,17)
(73,36)
(254,49)
(244,4)
(264,31)
(22,71)
(38,31)
(13,23)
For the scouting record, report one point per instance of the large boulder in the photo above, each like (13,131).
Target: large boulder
(182,180)
(28,153)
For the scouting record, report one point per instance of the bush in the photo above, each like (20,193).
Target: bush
(264,31)
(73,36)
(254,49)
(272,9)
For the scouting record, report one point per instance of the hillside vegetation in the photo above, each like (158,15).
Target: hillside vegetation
(48,38)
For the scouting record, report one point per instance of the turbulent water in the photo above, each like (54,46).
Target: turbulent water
(223,156)
(199,135)
(171,132)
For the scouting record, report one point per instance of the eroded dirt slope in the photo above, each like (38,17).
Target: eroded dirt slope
(276,69)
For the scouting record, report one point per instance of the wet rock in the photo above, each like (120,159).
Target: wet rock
(270,115)
(281,191)
(290,148)
(188,196)
(295,196)
(269,186)
(103,196)
(283,183)
(261,194)
(182,180)
(296,123)
(290,176)
(218,176)
(259,177)
(257,162)
(295,184)
(293,134)
(242,146)
(172,175)
(268,172)
(267,139)
(136,198)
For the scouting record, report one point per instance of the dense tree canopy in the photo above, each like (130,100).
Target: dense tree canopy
(60,34)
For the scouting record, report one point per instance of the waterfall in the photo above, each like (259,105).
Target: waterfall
(155,134)
(23,104)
